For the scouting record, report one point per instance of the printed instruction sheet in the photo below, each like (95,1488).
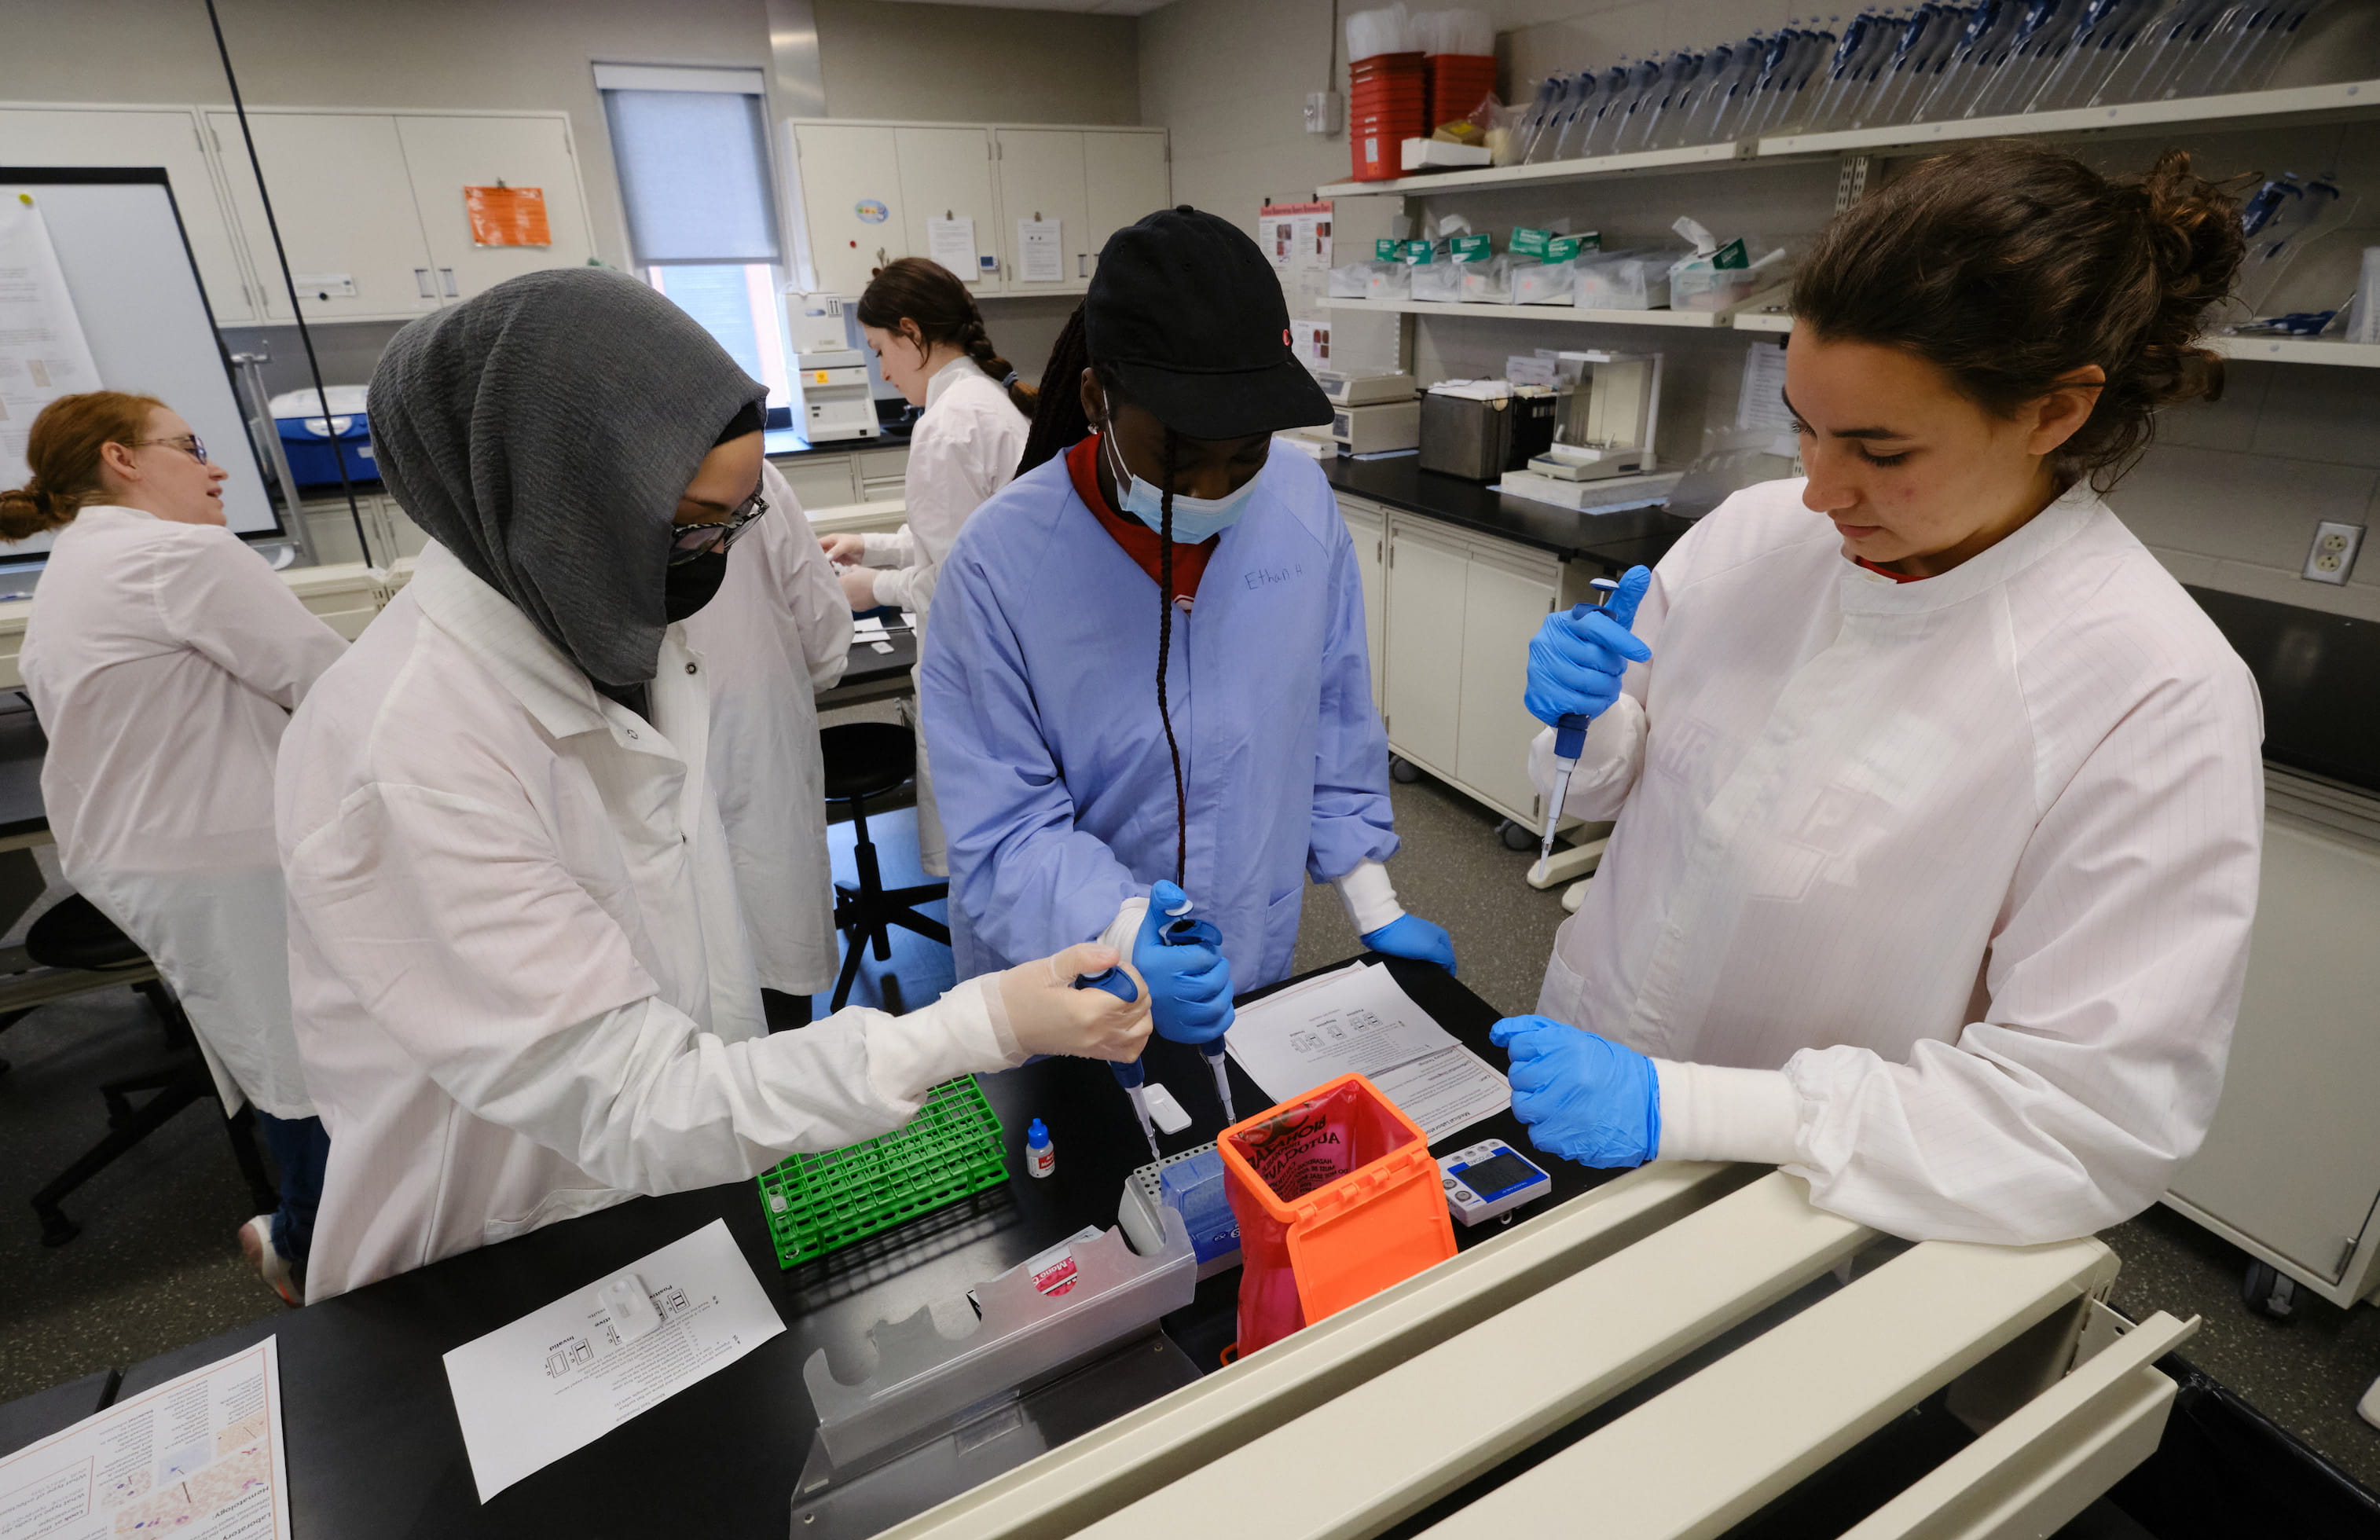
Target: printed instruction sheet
(201,1457)
(561,1377)
(1356,1020)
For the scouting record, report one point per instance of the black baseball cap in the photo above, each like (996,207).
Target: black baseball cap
(1186,312)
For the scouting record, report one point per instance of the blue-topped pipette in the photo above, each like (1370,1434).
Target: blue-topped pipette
(1178,930)
(1570,737)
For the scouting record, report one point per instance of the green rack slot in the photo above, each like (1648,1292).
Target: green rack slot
(816,1204)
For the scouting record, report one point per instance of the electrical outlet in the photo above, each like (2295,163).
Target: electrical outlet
(2333,556)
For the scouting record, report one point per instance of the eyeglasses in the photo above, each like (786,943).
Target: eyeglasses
(189,443)
(692,540)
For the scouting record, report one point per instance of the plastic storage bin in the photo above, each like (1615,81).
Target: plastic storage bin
(816,1204)
(1491,282)
(1625,281)
(1440,282)
(1351,280)
(315,444)
(1337,1198)
(1544,283)
(1389,281)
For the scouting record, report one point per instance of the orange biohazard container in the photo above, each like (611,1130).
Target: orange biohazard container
(1337,1198)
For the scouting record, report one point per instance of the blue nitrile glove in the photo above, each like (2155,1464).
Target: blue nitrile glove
(1578,655)
(1584,1097)
(1189,980)
(1411,936)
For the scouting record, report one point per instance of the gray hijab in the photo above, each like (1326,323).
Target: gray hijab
(543,432)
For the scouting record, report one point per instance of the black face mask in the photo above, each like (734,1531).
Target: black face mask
(691,585)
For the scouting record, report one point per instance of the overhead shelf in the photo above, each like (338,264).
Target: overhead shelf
(2285,350)
(1691,157)
(2236,110)
(2299,350)
(1703,318)
(2336,103)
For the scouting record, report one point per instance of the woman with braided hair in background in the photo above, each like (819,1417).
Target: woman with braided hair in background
(929,341)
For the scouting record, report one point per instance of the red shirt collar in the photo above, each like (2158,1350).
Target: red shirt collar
(1139,541)
(1885,572)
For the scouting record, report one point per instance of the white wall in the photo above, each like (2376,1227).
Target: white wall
(2229,499)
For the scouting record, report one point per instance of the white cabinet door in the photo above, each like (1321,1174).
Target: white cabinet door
(443,155)
(820,480)
(2293,1158)
(946,173)
(1369,529)
(1423,701)
(1126,178)
(167,136)
(345,203)
(852,202)
(1041,178)
(1506,599)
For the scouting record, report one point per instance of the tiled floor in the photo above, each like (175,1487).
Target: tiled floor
(157,1266)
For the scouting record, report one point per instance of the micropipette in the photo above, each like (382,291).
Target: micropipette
(1132,1077)
(1570,737)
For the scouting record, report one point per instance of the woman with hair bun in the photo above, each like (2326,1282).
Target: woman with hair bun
(929,341)
(164,658)
(1939,804)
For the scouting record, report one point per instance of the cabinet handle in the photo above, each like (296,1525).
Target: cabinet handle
(1082,265)
(448,275)
(422,282)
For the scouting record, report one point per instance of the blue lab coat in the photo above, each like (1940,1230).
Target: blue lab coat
(1038,702)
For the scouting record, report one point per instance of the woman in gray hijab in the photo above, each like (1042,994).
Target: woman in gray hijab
(520,976)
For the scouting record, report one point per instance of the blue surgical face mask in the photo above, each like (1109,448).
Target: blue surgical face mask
(1195,518)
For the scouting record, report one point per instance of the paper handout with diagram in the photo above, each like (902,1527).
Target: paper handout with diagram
(1357,1019)
(561,1377)
(202,1456)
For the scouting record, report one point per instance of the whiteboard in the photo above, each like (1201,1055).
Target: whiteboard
(136,292)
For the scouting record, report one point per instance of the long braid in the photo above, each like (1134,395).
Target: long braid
(1164,654)
(1058,420)
(976,343)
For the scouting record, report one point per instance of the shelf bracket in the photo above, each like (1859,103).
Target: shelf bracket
(1850,182)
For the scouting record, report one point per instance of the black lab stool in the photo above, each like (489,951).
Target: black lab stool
(75,936)
(865,760)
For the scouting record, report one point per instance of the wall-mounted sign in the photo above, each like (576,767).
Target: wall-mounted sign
(507,216)
(872,211)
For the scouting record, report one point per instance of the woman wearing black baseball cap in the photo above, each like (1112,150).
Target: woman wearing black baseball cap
(1105,732)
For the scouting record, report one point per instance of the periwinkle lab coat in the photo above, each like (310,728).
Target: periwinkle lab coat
(1050,758)
(517,957)
(164,660)
(1970,861)
(778,632)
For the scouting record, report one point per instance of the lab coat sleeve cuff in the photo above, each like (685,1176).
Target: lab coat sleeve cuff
(1125,927)
(1370,898)
(880,547)
(892,588)
(908,1056)
(1711,1113)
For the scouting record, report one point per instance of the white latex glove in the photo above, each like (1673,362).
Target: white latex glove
(1048,1014)
(842,550)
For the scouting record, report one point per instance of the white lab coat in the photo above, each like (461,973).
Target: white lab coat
(519,971)
(965,448)
(164,660)
(778,632)
(1970,861)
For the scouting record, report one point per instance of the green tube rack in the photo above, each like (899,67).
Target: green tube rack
(816,1204)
